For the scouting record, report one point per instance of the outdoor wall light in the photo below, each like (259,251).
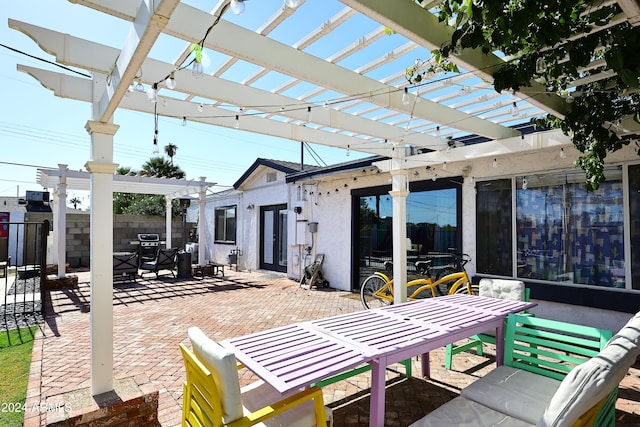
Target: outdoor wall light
(185,203)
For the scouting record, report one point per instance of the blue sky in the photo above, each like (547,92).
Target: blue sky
(38,129)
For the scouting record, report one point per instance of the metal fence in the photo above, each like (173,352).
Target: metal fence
(24,246)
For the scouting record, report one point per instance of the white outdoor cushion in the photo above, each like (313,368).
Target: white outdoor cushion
(461,412)
(259,394)
(519,394)
(502,289)
(630,331)
(589,383)
(223,367)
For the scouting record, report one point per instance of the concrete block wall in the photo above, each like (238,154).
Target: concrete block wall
(125,229)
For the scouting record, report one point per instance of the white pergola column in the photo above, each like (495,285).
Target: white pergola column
(101,169)
(60,222)
(167,222)
(202,201)
(399,192)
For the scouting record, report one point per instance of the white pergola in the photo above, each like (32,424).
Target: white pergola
(63,179)
(339,82)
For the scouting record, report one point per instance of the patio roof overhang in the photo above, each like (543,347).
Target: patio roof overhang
(169,187)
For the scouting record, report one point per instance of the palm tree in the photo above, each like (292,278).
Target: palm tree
(170,149)
(159,167)
(75,202)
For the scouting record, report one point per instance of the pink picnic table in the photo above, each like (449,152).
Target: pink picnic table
(296,356)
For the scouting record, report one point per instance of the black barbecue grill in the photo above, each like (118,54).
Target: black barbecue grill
(148,244)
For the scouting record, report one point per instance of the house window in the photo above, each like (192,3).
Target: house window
(433,225)
(563,233)
(493,237)
(225,231)
(272,177)
(634,214)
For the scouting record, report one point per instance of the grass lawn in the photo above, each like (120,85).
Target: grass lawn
(15,360)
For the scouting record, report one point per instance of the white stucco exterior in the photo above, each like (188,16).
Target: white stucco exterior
(326,199)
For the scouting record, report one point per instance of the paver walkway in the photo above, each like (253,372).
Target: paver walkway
(152,316)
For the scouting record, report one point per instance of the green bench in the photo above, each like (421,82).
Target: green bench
(554,374)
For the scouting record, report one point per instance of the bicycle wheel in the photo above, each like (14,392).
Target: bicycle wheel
(475,289)
(444,287)
(368,290)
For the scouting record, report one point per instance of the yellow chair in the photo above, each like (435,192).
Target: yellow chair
(213,397)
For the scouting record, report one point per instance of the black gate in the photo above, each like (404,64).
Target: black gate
(23,247)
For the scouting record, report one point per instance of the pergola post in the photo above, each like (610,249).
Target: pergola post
(167,221)
(101,169)
(202,201)
(60,222)
(399,192)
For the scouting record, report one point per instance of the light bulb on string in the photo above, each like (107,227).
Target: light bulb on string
(292,4)
(541,65)
(562,154)
(171,81)
(200,108)
(197,70)
(236,124)
(237,6)
(405,97)
(495,163)
(184,121)
(524,183)
(444,166)
(348,151)
(515,112)
(138,86)
(152,93)
(309,113)
(325,105)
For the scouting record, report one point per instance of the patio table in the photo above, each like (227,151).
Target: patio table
(298,355)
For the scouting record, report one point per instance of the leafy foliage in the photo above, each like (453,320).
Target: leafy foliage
(555,42)
(148,204)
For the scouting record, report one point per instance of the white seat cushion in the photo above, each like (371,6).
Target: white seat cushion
(259,394)
(502,289)
(519,394)
(590,382)
(223,366)
(461,412)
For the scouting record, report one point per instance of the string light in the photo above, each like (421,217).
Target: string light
(348,151)
(197,70)
(405,97)
(444,166)
(524,183)
(152,93)
(236,124)
(495,163)
(171,81)
(309,113)
(515,112)
(562,154)
(200,108)
(184,121)
(292,4)
(237,6)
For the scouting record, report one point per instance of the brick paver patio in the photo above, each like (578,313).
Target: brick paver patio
(152,316)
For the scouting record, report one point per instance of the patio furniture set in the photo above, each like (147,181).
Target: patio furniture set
(129,265)
(548,372)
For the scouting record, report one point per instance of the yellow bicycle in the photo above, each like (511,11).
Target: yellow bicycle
(377,289)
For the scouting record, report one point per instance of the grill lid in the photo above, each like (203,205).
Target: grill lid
(149,237)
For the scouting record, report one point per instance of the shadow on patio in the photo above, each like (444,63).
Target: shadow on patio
(151,317)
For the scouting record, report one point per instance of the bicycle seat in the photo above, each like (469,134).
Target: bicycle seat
(423,266)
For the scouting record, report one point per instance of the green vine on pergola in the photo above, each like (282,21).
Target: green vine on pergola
(553,42)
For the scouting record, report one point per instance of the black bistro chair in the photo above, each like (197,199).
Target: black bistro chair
(166,259)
